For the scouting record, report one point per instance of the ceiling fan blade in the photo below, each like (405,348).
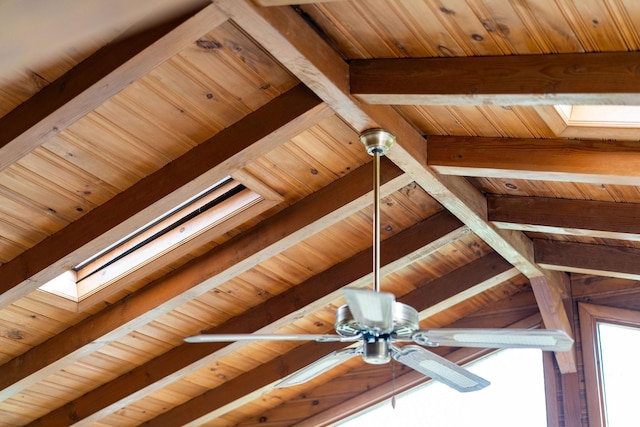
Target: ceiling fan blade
(319,366)
(269,337)
(372,310)
(543,339)
(439,368)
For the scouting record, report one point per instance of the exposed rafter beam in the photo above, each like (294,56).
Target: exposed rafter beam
(570,78)
(611,261)
(290,226)
(213,160)
(399,250)
(294,44)
(95,80)
(542,159)
(598,288)
(607,220)
(464,283)
(213,403)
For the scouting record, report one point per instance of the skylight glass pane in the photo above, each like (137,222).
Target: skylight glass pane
(516,397)
(619,355)
(155,221)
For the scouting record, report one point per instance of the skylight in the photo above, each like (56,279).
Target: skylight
(612,116)
(592,121)
(161,241)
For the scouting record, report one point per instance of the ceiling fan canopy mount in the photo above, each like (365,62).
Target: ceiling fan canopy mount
(377,141)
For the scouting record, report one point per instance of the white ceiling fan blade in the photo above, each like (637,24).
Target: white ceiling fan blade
(318,367)
(372,310)
(268,337)
(439,368)
(543,339)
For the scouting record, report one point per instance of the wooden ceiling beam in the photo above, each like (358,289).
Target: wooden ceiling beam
(398,251)
(599,260)
(301,50)
(607,220)
(596,162)
(334,202)
(567,78)
(95,80)
(213,160)
(461,284)
(598,288)
(222,399)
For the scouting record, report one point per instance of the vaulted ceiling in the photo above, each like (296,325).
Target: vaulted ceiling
(497,210)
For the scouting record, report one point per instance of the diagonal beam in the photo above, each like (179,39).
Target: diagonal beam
(600,260)
(462,284)
(232,393)
(97,79)
(256,134)
(402,249)
(569,78)
(290,226)
(607,220)
(292,42)
(594,162)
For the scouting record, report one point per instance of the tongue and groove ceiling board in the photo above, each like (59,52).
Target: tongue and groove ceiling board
(492,216)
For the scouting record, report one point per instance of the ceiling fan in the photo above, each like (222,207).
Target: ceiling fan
(374,322)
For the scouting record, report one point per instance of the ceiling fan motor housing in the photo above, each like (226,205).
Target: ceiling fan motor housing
(377,349)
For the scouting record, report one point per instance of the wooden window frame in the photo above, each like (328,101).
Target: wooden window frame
(590,316)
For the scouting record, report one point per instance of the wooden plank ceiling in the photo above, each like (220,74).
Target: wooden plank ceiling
(488,207)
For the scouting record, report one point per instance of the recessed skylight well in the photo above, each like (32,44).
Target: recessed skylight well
(593,121)
(612,116)
(172,235)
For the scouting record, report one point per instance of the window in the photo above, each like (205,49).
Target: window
(611,348)
(516,397)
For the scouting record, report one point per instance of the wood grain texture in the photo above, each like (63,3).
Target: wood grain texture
(122,361)
(309,296)
(587,78)
(272,125)
(608,220)
(536,159)
(204,407)
(613,261)
(319,66)
(199,276)
(365,385)
(95,80)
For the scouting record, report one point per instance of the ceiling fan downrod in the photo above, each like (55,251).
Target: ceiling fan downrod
(376,142)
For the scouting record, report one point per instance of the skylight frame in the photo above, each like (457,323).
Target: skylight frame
(592,121)
(83,286)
